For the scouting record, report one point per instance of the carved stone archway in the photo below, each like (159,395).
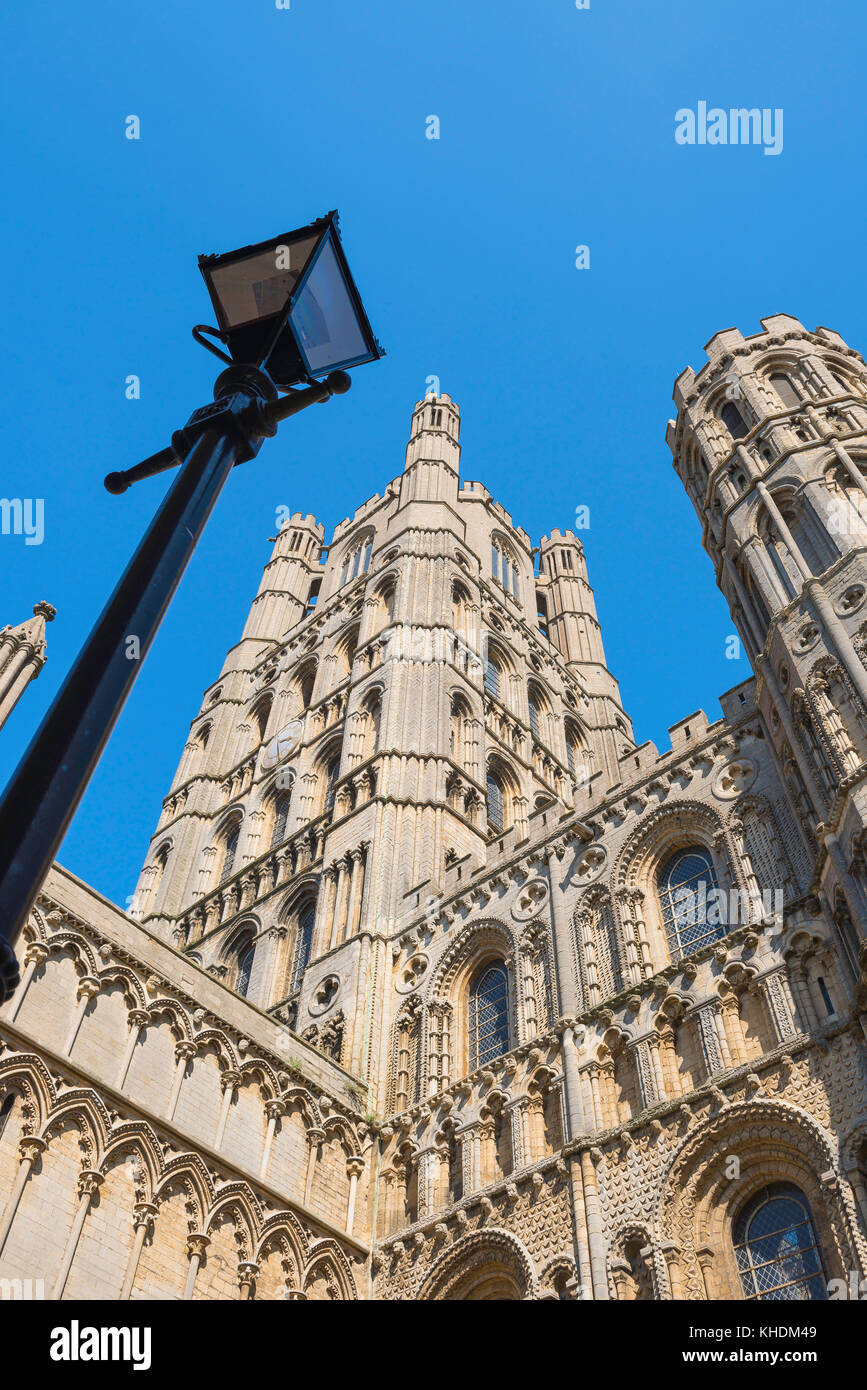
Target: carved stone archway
(486,1266)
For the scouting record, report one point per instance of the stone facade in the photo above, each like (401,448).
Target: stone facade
(435,984)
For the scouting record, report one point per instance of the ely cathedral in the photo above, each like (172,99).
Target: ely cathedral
(436,985)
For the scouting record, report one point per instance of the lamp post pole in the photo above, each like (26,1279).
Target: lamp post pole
(43,794)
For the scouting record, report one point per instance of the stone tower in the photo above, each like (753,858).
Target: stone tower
(396,698)
(769,443)
(22,656)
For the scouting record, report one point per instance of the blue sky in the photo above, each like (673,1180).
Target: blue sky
(556,129)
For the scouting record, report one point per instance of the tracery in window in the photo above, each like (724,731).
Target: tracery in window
(691,901)
(356,561)
(503,567)
(230,839)
(305,919)
(489,1014)
(776,1247)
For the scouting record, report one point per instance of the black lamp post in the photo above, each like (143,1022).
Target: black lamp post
(288,312)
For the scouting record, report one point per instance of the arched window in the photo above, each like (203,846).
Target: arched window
(161,859)
(458,715)
(346,653)
(537,707)
(244,967)
(503,567)
(755,595)
(230,848)
(281,816)
(306,682)
(847,934)
(373,724)
(493,675)
(506,806)
(689,897)
(357,560)
(489,1015)
(776,1248)
(460,604)
(496,810)
(386,603)
(577,755)
(261,713)
(312,596)
(533,707)
(809,536)
(733,420)
(785,389)
(6,1109)
(332,772)
(303,945)
(542,612)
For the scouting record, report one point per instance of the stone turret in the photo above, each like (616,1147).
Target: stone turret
(22,656)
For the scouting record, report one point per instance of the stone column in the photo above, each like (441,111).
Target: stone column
(593,1216)
(641,1061)
(470,1160)
(766,670)
(563,953)
(35,955)
(705,1261)
(788,539)
(88,1185)
(709,1038)
(315,1138)
(641,933)
(576,1120)
(593,1073)
(579,1218)
(247,1271)
(184,1052)
(656,1064)
(340,905)
(621,1272)
(29,1149)
(389,1179)
(137,1019)
(197,1244)
(88,988)
(273,1109)
(228,1081)
(355,1168)
(671,1254)
(859,1187)
(144,1215)
(518,1136)
(722,1036)
(798,976)
(773,995)
(486,1152)
(357,860)
(325,922)
(268,991)
(838,638)
(428,1164)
